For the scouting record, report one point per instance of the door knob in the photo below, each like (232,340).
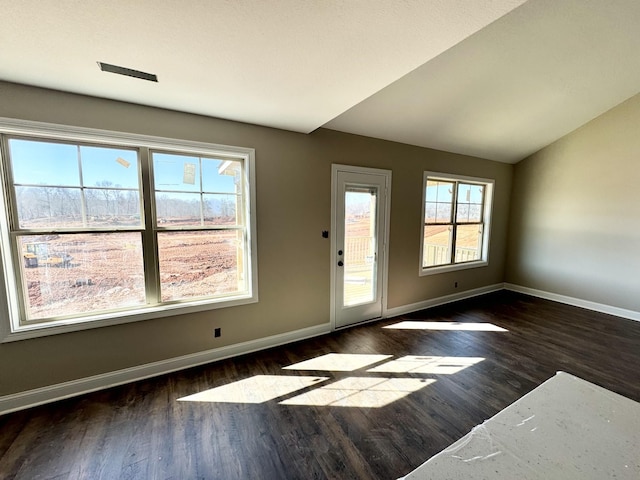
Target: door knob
(340,263)
(339,252)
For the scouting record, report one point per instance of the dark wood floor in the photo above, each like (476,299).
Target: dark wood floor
(141,430)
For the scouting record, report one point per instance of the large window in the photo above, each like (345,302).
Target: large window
(456,213)
(104,228)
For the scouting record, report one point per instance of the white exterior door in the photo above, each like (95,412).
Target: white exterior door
(359,243)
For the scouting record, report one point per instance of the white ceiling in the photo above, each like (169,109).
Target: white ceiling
(519,84)
(497,79)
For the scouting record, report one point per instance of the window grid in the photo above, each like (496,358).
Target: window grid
(163,232)
(145,227)
(454,254)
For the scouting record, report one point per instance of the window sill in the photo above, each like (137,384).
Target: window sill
(452,268)
(25,332)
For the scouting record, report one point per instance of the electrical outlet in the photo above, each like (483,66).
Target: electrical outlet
(217,332)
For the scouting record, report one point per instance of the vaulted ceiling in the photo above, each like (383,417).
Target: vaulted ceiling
(497,79)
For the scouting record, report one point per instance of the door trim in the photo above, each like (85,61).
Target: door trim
(384,265)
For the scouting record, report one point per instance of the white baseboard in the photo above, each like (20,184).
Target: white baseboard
(433,302)
(576,302)
(60,391)
(51,393)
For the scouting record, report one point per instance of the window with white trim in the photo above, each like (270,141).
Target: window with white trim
(102,226)
(456,211)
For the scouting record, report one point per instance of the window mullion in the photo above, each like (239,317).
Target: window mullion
(16,247)
(454,223)
(83,198)
(482,205)
(9,192)
(149,235)
(201,193)
(15,294)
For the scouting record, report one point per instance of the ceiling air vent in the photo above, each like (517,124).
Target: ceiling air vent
(106,67)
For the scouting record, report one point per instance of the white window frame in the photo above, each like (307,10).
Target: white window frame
(489,185)
(12,326)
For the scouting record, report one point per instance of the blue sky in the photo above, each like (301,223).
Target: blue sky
(44,163)
(442,192)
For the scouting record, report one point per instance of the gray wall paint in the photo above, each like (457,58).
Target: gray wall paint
(293,174)
(575,213)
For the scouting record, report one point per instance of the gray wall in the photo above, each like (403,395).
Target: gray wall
(293,174)
(575,213)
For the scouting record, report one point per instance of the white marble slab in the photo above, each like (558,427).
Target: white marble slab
(567,428)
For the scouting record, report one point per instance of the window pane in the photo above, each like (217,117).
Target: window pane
(443,213)
(222,210)
(44,163)
(477,194)
(468,243)
(437,212)
(439,191)
(221,176)
(109,167)
(176,172)
(112,208)
(469,213)
(179,209)
(464,193)
(437,245)
(462,214)
(74,274)
(430,209)
(360,268)
(470,198)
(439,199)
(201,264)
(48,207)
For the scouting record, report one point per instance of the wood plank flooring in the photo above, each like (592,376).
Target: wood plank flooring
(391,399)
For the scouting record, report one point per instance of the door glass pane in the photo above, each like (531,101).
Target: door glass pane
(73,274)
(360,244)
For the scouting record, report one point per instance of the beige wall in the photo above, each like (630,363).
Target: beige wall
(575,213)
(293,174)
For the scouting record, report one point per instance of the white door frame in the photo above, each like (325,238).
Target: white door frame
(384,264)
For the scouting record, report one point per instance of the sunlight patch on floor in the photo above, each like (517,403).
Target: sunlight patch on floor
(353,391)
(362,392)
(447,326)
(256,389)
(427,364)
(338,362)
